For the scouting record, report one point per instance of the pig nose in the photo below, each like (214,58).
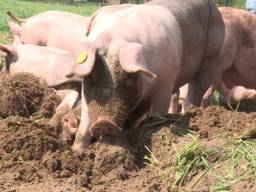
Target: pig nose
(104,126)
(69,122)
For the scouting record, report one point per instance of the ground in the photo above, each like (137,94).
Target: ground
(207,149)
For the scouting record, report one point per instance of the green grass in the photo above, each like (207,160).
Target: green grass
(215,98)
(238,164)
(185,162)
(233,162)
(231,3)
(189,159)
(25,9)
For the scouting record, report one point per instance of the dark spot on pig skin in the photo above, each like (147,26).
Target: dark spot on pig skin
(248,40)
(248,32)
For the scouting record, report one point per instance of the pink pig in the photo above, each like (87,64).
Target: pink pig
(139,57)
(58,29)
(232,96)
(70,123)
(50,65)
(238,56)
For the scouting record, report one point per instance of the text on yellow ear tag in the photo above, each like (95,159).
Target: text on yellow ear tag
(81,57)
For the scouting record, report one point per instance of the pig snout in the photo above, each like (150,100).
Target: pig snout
(104,126)
(69,124)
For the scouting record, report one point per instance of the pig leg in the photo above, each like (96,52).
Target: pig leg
(206,100)
(210,75)
(63,93)
(183,94)
(83,135)
(174,106)
(225,94)
(65,106)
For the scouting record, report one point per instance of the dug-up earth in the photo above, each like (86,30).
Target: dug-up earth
(210,149)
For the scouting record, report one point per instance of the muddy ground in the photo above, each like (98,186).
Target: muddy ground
(190,152)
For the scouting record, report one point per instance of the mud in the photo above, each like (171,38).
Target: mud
(33,157)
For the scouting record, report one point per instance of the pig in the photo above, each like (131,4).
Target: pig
(236,94)
(50,65)
(227,96)
(134,62)
(237,55)
(58,29)
(70,123)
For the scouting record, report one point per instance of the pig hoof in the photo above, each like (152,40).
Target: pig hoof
(79,147)
(53,123)
(204,103)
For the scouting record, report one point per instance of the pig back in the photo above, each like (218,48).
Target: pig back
(202,32)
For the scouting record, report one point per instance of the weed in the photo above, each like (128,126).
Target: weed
(150,158)
(191,158)
(238,162)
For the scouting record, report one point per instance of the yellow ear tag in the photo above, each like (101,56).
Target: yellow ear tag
(81,57)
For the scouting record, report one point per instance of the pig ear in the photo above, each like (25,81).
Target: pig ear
(7,49)
(14,27)
(86,59)
(84,63)
(132,60)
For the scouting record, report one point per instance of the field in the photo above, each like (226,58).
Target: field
(207,149)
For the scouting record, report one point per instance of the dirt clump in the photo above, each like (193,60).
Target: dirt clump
(112,162)
(215,120)
(20,94)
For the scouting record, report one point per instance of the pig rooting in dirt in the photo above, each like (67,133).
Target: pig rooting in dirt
(112,87)
(111,94)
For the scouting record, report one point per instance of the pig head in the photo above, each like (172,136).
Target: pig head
(113,87)
(70,123)
(51,65)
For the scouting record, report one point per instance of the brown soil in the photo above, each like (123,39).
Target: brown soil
(22,95)
(33,158)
